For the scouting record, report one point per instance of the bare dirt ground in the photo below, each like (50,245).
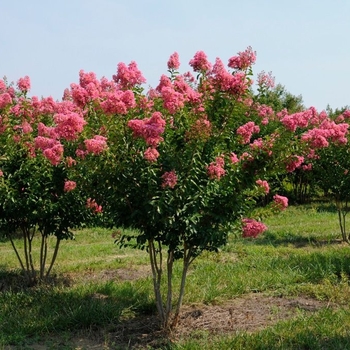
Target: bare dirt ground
(250,313)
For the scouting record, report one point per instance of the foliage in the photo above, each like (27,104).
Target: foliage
(185,162)
(38,184)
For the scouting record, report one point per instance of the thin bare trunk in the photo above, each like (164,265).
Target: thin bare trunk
(26,248)
(187,260)
(16,252)
(54,256)
(342,211)
(157,276)
(30,253)
(43,255)
(170,263)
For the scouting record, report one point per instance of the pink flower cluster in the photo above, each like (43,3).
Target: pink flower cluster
(236,84)
(23,84)
(319,137)
(200,62)
(52,149)
(91,204)
(233,157)
(5,100)
(216,169)
(96,145)
(280,202)
(264,185)
(172,100)
(149,129)
(69,186)
(151,154)
(294,163)
(301,119)
(262,145)
(169,179)
(117,101)
(243,60)
(69,125)
(264,111)
(128,76)
(252,228)
(266,80)
(174,62)
(247,130)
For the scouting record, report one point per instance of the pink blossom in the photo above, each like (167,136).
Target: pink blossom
(169,179)
(263,184)
(173,100)
(294,163)
(23,84)
(79,94)
(67,96)
(252,228)
(173,62)
(96,145)
(117,101)
(5,99)
(247,130)
(243,60)
(281,202)
(70,162)
(54,154)
(216,169)
(43,143)
(199,62)
(47,131)
(149,129)
(91,204)
(1,173)
(81,153)
(128,76)
(307,167)
(264,111)
(2,86)
(69,186)
(223,80)
(233,157)
(164,81)
(26,127)
(266,80)
(69,125)
(151,154)
(189,94)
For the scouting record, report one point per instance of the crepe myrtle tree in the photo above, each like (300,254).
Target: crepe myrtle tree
(331,163)
(40,191)
(185,162)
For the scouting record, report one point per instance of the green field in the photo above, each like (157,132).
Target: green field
(288,289)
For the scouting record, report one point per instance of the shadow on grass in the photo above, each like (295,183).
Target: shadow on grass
(298,241)
(53,308)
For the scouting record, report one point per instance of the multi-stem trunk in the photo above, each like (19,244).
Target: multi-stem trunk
(157,276)
(165,310)
(187,260)
(342,211)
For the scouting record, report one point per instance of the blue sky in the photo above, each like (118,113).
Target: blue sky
(305,43)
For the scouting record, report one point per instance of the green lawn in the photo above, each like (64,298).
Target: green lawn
(99,289)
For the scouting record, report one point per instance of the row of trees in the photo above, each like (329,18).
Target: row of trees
(184,164)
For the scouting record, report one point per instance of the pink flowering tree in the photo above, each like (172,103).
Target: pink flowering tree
(40,181)
(183,160)
(331,162)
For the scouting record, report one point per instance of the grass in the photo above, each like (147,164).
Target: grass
(300,254)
